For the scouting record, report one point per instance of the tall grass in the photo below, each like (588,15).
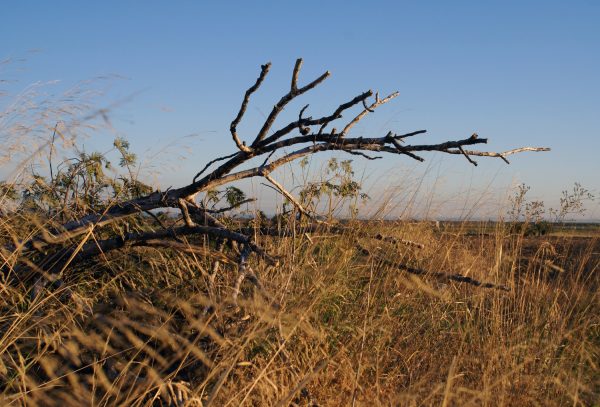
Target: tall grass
(339,325)
(144,326)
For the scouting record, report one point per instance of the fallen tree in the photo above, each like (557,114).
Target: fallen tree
(54,250)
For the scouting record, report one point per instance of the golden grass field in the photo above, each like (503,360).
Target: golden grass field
(352,313)
(337,324)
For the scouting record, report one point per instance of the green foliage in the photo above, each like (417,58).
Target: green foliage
(78,185)
(338,187)
(213,196)
(231,195)
(234,196)
(128,158)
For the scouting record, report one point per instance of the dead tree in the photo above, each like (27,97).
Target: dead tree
(305,135)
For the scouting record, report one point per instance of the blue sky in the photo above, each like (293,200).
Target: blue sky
(519,73)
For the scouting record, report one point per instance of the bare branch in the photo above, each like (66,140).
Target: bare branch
(304,130)
(95,248)
(185,213)
(328,143)
(288,195)
(321,121)
(361,154)
(268,158)
(403,150)
(338,112)
(467,156)
(366,110)
(211,163)
(218,177)
(294,92)
(499,155)
(297,67)
(229,208)
(511,152)
(304,144)
(412,133)
(233,128)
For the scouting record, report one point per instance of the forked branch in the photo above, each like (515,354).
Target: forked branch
(264,70)
(305,136)
(294,92)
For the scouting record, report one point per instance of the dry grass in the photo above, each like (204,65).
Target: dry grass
(145,326)
(142,327)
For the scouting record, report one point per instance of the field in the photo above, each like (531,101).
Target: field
(117,293)
(345,318)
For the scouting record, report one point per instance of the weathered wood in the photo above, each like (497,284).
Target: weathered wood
(312,139)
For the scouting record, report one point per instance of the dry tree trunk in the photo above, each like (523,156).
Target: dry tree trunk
(307,135)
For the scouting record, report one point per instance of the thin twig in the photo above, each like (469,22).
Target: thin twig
(359,153)
(262,145)
(378,102)
(467,156)
(338,112)
(499,155)
(288,195)
(264,70)
(293,93)
(229,208)
(211,163)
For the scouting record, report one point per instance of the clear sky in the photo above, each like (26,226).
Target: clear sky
(516,72)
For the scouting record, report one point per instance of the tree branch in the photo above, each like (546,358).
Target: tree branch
(158,238)
(211,163)
(304,144)
(321,121)
(229,208)
(368,109)
(499,155)
(288,196)
(294,92)
(264,70)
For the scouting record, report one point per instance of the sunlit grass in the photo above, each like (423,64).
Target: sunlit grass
(340,321)
(142,326)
